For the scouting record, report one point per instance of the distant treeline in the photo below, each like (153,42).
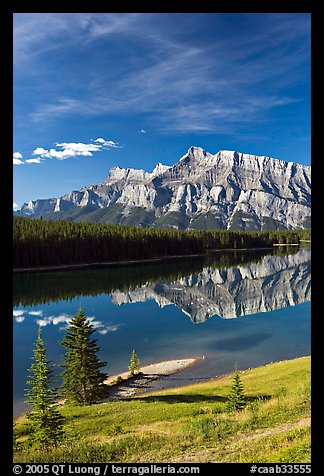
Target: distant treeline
(40,242)
(30,289)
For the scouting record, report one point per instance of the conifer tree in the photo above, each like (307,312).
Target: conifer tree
(45,420)
(82,378)
(134,364)
(236,398)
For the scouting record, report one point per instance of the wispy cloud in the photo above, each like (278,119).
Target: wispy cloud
(61,107)
(42,33)
(104,328)
(142,65)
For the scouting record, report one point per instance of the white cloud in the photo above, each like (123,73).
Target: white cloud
(66,153)
(142,131)
(40,151)
(33,161)
(54,320)
(42,322)
(65,150)
(20,319)
(103,328)
(15,206)
(100,326)
(65,318)
(112,328)
(79,147)
(16,158)
(108,143)
(17,312)
(95,324)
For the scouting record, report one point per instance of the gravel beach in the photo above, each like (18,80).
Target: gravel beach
(140,382)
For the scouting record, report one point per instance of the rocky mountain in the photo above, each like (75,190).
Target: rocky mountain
(273,283)
(228,190)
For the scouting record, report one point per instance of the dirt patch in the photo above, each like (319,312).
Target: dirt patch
(209,455)
(279,429)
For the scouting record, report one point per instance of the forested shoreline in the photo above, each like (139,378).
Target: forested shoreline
(40,242)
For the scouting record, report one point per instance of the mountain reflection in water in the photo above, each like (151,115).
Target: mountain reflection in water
(228,285)
(273,283)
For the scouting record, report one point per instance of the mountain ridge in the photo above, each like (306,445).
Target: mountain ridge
(226,190)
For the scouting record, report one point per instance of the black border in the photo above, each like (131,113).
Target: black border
(6,187)
(6,177)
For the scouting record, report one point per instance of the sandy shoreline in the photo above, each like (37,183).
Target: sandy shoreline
(140,383)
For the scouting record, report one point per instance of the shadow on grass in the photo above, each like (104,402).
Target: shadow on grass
(197,398)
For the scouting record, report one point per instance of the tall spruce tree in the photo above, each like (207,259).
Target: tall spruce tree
(236,399)
(46,422)
(82,378)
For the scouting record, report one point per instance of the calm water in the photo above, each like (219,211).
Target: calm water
(236,307)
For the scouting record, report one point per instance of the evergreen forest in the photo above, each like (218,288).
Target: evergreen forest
(39,242)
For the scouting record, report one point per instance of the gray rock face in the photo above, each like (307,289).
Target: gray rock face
(228,190)
(273,283)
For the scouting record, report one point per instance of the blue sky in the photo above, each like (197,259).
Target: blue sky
(92,91)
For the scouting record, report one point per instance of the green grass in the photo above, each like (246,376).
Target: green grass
(191,424)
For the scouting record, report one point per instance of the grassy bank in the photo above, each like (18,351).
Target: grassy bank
(191,424)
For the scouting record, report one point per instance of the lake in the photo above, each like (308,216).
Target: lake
(243,308)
